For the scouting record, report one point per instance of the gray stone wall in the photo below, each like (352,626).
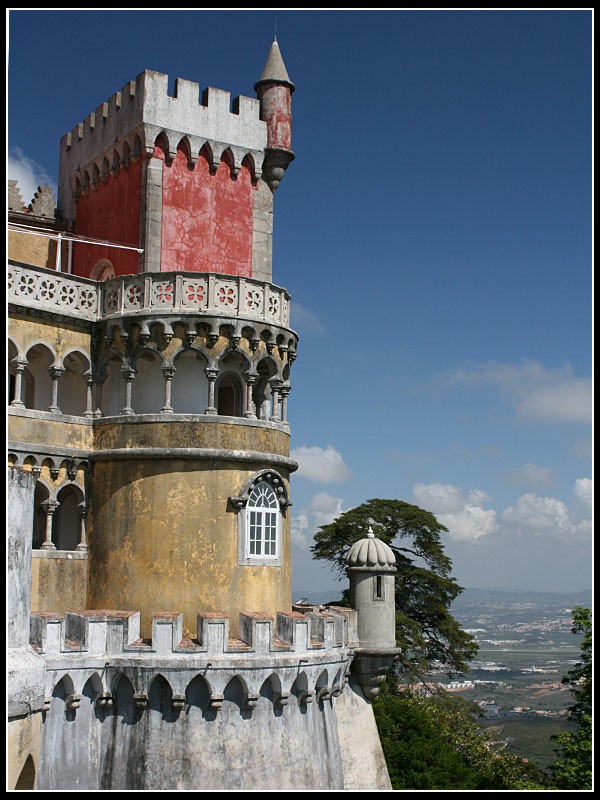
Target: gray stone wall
(25,669)
(196,746)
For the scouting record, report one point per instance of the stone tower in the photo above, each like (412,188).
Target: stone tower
(193,356)
(371,567)
(149,445)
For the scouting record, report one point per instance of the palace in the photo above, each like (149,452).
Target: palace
(152,638)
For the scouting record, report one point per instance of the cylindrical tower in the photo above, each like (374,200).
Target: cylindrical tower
(193,349)
(274,90)
(371,567)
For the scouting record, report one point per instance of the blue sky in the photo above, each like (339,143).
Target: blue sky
(434,232)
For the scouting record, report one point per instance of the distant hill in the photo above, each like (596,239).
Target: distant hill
(478,596)
(475,597)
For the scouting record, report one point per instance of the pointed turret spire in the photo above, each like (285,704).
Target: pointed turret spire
(274,90)
(274,70)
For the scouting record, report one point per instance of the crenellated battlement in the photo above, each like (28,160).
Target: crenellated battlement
(142,114)
(117,633)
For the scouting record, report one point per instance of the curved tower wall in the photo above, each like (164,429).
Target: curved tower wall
(166,535)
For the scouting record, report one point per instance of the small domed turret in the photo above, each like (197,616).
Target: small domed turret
(371,553)
(371,566)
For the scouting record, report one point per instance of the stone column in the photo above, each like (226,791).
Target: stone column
(50,507)
(89,401)
(82,546)
(275,410)
(211,374)
(20,365)
(285,391)
(128,374)
(55,373)
(168,372)
(248,412)
(99,385)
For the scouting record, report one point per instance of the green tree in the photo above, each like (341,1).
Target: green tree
(435,743)
(426,631)
(574,769)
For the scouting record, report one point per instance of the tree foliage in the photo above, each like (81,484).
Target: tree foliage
(426,631)
(435,743)
(574,769)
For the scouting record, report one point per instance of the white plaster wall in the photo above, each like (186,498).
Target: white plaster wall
(189,389)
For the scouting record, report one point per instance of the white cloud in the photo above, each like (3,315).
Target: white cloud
(570,401)
(532,475)
(28,174)
(536,392)
(463,515)
(584,493)
(534,514)
(538,514)
(467,518)
(321,464)
(322,509)
(299,530)
(305,320)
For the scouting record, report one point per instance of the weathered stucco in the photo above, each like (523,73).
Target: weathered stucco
(23,744)
(26,330)
(196,431)
(206,218)
(34,249)
(25,669)
(363,761)
(164,537)
(58,581)
(44,429)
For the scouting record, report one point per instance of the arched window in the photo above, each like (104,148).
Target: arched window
(262,522)
(103,270)
(66,523)
(229,396)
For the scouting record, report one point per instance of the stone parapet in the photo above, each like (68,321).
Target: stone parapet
(130,122)
(117,633)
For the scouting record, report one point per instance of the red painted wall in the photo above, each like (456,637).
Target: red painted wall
(111,212)
(276,111)
(206,219)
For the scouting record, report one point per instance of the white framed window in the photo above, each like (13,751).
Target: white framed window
(262,522)
(260,509)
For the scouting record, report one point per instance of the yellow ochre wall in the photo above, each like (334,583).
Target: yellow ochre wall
(164,537)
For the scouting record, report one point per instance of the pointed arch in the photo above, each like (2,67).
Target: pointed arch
(122,692)
(66,520)
(236,692)
(40,357)
(160,698)
(161,147)
(73,383)
(189,387)
(228,158)
(40,496)
(248,163)
(148,387)
(26,779)
(185,147)
(206,153)
(197,694)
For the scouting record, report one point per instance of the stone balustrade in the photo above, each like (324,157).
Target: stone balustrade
(151,294)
